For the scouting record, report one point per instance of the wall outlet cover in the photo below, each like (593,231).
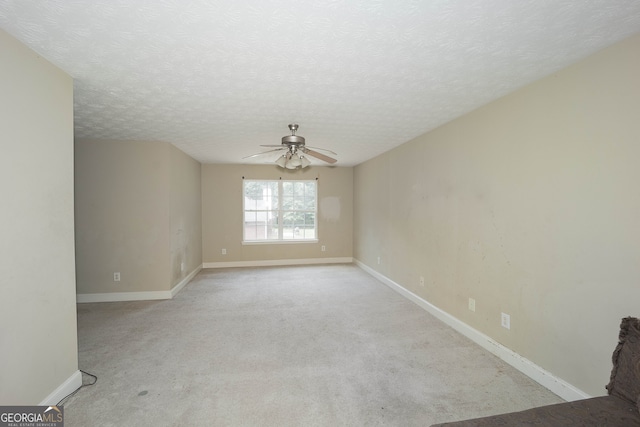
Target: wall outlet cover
(505,321)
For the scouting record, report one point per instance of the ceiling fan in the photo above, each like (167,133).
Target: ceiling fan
(295,150)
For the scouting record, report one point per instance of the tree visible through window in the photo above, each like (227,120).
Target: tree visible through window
(280,210)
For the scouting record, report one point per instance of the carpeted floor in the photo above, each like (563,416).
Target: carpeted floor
(285,346)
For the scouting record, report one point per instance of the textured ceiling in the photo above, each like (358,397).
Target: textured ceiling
(216,78)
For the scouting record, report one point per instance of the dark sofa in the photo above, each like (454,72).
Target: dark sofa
(621,407)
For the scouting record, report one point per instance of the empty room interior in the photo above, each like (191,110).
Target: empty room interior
(461,239)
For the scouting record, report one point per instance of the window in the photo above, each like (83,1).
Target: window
(280,211)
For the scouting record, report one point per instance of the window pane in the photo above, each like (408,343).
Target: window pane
(253,190)
(310,219)
(309,202)
(287,188)
(272,195)
(250,232)
(288,202)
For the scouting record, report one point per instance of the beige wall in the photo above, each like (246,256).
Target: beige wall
(186,215)
(38,335)
(530,205)
(122,216)
(137,213)
(222,213)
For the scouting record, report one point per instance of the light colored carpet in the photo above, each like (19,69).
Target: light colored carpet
(285,346)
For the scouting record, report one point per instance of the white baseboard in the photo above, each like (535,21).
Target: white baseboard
(546,379)
(123,296)
(278,262)
(178,287)
(70,385)
(137,296)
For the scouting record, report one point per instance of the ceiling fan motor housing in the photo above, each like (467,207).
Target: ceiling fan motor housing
(293,140)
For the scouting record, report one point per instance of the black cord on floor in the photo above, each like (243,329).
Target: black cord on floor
(95,380)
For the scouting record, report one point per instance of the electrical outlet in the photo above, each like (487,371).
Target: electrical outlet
(224,251)
(323,248)
(378,260)
(116,276)
(421,281)
(472,304)
(505,321)
(182,266)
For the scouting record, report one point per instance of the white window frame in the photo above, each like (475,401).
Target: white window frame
(280,214)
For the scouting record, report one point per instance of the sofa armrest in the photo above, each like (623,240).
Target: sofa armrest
(625,375)
(598,411)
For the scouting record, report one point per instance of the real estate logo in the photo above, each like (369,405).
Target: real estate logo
(31,416)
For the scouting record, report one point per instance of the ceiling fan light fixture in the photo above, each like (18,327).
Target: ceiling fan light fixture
(294,162)
(305,162)
(282,160)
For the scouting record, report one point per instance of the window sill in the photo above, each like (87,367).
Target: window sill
(278,242)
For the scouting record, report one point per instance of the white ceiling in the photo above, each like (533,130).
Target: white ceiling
(216,78)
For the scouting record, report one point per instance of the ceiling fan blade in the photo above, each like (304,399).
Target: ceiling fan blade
(323,149)
(264,152)
(279,145)
(319,156)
